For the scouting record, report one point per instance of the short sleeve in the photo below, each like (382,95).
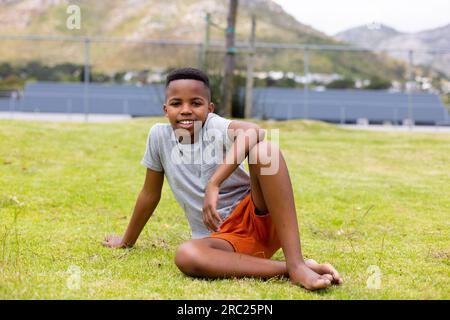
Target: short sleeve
(152,159)
(219,124)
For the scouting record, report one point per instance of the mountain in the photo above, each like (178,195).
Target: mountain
(178,20)
(137,19)
(384,37)
(368,36)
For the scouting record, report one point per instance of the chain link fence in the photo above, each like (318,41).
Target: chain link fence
(311,77)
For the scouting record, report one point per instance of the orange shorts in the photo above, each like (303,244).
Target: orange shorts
(248,232)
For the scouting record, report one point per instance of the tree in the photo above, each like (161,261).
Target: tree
(227,87)
(377,83)
(346,83)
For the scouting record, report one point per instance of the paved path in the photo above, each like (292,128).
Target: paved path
(64,117)
(432,129)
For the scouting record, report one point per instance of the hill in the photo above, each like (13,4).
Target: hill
(178,20)
(386,37)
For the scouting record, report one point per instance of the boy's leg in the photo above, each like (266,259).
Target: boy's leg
(214,257)
(272,192)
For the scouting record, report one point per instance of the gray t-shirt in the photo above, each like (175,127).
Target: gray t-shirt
(188,167)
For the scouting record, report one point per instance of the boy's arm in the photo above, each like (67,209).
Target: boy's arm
(245,136)
(146,203)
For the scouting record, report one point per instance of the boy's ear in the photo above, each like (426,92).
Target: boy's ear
(165,110)
(211,107)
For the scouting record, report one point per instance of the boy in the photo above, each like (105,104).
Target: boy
(238,220)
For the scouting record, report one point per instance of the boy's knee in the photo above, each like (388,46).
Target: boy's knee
(187,258)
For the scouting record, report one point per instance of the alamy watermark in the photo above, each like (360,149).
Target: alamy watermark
(75,277)
(374,279)
(374,25)
(74,19)
(73,281)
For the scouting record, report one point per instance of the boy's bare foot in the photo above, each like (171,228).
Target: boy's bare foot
(309,279)
(325,269)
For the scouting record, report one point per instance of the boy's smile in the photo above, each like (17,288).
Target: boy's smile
(187,101)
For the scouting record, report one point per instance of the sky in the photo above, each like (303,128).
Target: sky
(333,16)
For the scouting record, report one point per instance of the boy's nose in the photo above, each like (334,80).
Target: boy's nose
(186,109)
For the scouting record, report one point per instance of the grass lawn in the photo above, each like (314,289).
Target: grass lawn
(374,204)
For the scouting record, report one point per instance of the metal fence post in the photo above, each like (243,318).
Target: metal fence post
(250,63)
(410,79)
(396,116)
(125,106)
(12,106)
(343,120)
(87,45)
(306,85)
(205,46)
(69,108)
(446,120)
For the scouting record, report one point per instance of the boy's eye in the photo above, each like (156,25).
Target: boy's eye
(196,103)
(175,103)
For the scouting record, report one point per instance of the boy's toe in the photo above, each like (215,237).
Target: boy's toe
(311,262)
(327,276)
(325,268)
(331,270)
(321,283)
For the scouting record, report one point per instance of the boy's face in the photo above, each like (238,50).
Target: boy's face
(187,101)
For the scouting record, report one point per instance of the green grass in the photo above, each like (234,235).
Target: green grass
(363,199)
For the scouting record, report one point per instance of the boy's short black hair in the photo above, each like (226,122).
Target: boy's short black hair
(188,73)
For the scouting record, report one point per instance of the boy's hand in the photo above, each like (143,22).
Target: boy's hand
(211,217)
(113,241)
